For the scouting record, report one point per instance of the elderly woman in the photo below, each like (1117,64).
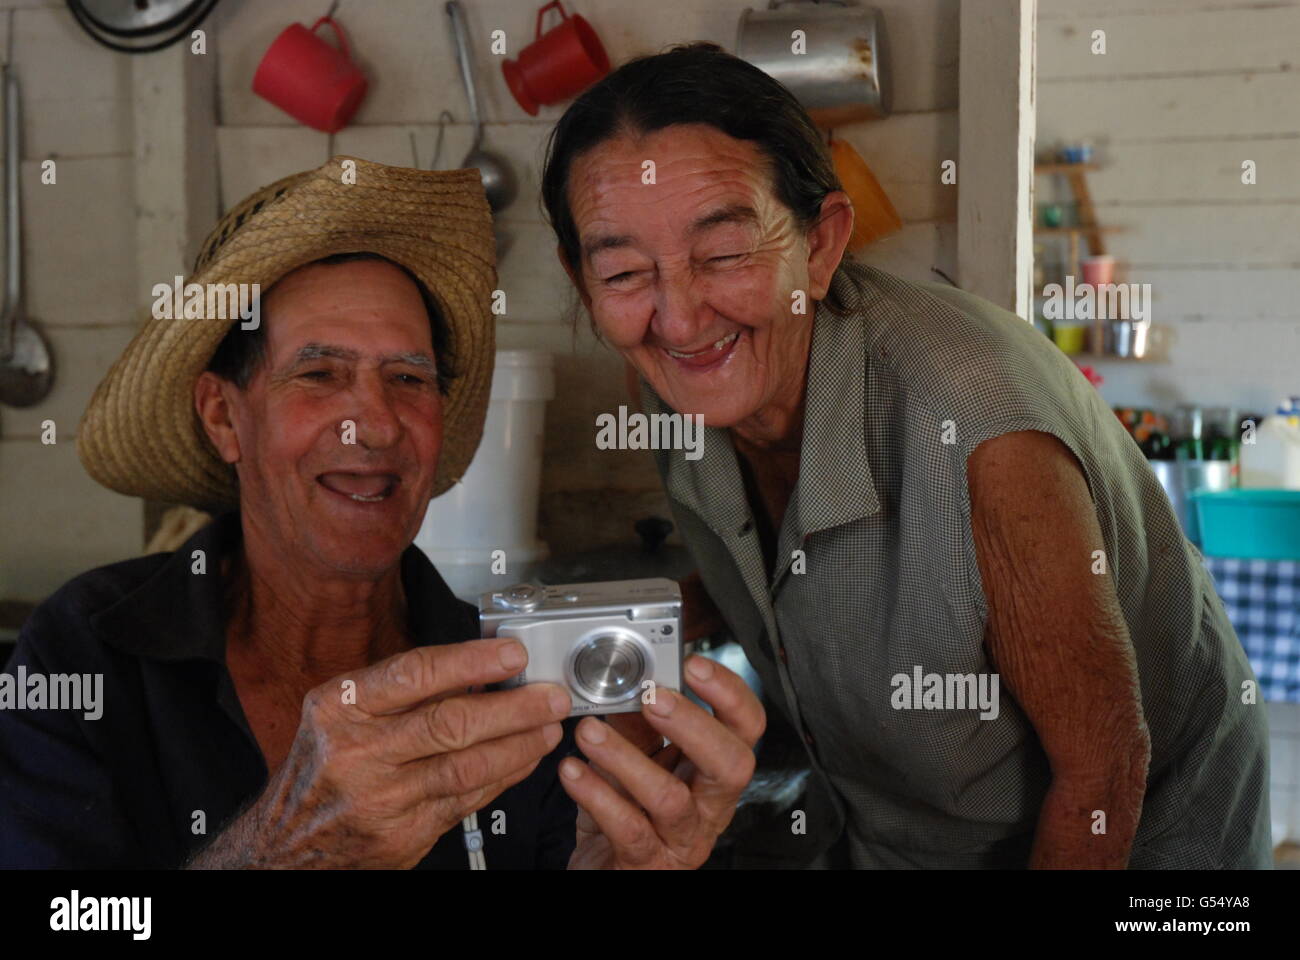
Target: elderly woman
(909,502)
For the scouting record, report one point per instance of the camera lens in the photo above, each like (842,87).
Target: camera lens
(609,669)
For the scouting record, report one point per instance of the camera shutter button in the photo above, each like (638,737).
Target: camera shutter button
(523,596)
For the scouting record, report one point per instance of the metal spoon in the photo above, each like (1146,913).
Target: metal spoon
(26,365)
(498,178)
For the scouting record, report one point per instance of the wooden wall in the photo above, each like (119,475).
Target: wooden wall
(1187,91)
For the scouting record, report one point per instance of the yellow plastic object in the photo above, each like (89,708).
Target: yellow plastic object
(874,217)
(1070,339)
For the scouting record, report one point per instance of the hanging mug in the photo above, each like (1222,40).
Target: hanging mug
(564,61)
(315,83)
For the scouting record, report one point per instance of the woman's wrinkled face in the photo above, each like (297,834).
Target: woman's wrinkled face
(692,277)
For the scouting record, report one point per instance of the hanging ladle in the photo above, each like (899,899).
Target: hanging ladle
(498,178)
(26,365)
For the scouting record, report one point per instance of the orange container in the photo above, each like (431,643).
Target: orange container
(874,217)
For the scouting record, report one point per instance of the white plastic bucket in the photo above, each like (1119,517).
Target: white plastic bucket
(494,507)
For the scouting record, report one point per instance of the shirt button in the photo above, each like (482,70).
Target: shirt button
(808,739)
(781,653)
(746,527)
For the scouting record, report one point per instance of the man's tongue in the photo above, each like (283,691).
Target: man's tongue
(370,485)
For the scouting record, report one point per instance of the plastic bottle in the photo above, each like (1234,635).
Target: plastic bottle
(1273,460)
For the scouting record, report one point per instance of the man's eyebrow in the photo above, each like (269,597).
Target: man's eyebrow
(731,213)
(413,359)
(315,351)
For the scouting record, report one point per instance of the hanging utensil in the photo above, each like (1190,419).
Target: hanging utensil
(498,178)
(26,365)
(874,217)
(139,26)
(844,74)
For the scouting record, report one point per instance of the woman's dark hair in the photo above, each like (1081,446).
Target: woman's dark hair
(242,352)
(691,83)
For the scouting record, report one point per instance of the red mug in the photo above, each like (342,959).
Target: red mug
(308,79)
(557,65)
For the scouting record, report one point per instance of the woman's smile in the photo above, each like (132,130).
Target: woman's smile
(708,358)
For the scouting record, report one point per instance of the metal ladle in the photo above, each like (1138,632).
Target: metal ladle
(498,178)
(26,365)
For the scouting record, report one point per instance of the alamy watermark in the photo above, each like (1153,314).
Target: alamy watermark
(77,913)
(656,431)
(208,301)
(55,691)
(946,691)
(1097,301)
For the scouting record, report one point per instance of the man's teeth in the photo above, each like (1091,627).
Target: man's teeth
(374,499)
(717,345)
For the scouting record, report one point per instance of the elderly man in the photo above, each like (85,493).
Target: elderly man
(296,686)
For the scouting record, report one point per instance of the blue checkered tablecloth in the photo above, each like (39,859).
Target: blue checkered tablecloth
(1262,599)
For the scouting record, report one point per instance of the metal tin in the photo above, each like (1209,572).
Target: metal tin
(842,75)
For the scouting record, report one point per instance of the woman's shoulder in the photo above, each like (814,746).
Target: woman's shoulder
(964,357)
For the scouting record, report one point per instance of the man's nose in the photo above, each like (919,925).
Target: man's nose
(377,424)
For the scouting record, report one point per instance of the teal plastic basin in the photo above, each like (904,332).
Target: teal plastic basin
(1263,524)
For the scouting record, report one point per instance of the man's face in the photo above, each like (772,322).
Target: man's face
(345,342)
(691,277)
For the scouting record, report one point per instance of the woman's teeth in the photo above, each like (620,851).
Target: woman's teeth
(717,345)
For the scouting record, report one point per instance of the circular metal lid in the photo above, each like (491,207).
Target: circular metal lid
(132,17)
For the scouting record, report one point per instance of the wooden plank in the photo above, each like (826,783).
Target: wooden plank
(996,170)
(1245,105)
(1209,235)
(1072,9)
(923,42)
(905,152)
(1244,294)
(1255,39)
(176,180)
(1204,171)
(915,250)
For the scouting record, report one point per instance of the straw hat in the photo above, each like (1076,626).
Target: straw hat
(141,435)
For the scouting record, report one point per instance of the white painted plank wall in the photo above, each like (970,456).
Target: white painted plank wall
(80,286)
(1186,91)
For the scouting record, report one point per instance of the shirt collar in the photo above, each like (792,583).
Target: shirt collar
(180,615)
(835,482)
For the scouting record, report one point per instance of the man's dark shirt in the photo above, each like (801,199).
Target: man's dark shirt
(124,790)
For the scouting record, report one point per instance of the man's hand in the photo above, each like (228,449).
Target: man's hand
(375,783)
(664,811)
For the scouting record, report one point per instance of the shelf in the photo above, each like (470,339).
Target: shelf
(1109,356)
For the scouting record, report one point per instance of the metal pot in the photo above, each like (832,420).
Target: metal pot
(1129,338)
(1181,478)
(843,74)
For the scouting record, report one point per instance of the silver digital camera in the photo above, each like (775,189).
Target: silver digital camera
(610,644)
